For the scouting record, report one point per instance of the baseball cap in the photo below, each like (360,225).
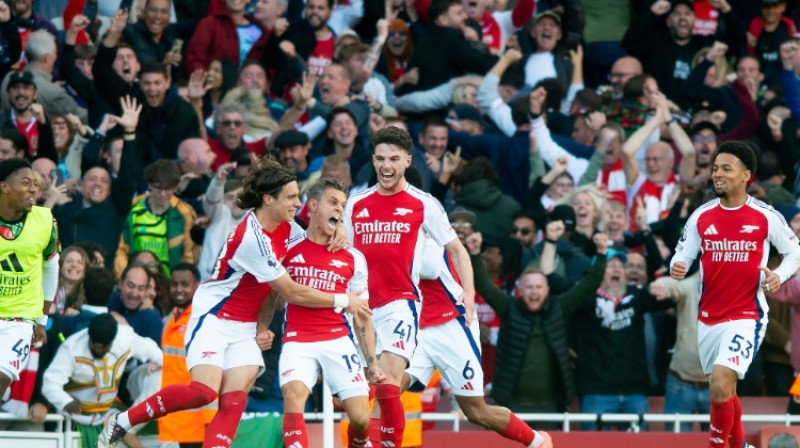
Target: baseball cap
(24,77)
(705,125)
(468,112)
(291,138)
(563,213)
(462,213)
(549,13)
(618,254)
(765,3)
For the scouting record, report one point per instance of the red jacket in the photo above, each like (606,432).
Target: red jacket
(215,38)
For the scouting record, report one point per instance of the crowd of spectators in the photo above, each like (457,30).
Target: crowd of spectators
(536,124)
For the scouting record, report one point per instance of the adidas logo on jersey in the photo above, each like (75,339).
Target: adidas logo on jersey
(400,345)
(363,214)
(298,259)
(467,386)
(11,264)
(711,230)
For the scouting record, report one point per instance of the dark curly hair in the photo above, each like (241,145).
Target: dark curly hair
(741,151)
(266,176)
(391,135)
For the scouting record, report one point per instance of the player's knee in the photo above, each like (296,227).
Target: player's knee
(294,394)
(359,420)
(722,387)
(202,394)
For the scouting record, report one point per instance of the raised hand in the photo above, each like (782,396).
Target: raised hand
(130,113)
(600,240)
(561,165)
(383,27)
(288,49)
(554,230)
(198,87)
(411,76)
(536,101)
(281,25)
(512,55)
(79,23)
(717,50)
(38,112)
(451,161)
(119,21)
(661,7)
(224,170)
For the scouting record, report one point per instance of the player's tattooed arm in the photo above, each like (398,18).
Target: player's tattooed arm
(365,333)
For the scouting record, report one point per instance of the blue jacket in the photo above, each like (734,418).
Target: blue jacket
(146,323)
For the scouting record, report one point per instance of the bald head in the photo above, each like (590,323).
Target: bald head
(623,69)
(44,166)
(659,160)
(196,155)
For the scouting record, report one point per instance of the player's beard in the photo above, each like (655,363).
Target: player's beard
(721,194)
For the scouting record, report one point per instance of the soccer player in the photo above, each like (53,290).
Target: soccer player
(28,268)
(221,349)
(388,223)
(322,339)
(448,343)
(733,234)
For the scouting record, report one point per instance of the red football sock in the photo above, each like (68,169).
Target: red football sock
(222,428)
(737,431)
(721,422)
(294,431)
(393,416)
(518,430)
(356,438)
(375,431)
(175,397)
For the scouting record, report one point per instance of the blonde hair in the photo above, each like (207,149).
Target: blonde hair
(595,195)
(257,116)
(458,92)
(721,64)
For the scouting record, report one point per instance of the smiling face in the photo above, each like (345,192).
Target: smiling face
(585,211)
(749,69)
(533,291)
(390,164)
(317,13)
(333,84)
(705,145)
(772,14)
(22,8)
(396,42)
(61,133)
(562,186)
(252,76)
(434,140)
(182,286)
(614,278)
(22,95)
(8,151)
(343,130)
(214,75)
(547,33)
(285,206)
(96,186)
(636,269)
(20,190)
(327,212)
(126,64)
(154,86)
(156,16)
(73,266)
(293,157)
(680,22)
(658,162)
(617,221)
(133,288)
(523,229)
(729,175)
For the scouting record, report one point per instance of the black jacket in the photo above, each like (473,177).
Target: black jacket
(163,128)
(650,41)
(443,54)
(517,324)
(83,86)
(610,343)
(47,144)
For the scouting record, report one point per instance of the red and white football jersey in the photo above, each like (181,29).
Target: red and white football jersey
(497,26)
(732,244)
(249,259)
(312,265)
(390,232)
(439,285)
